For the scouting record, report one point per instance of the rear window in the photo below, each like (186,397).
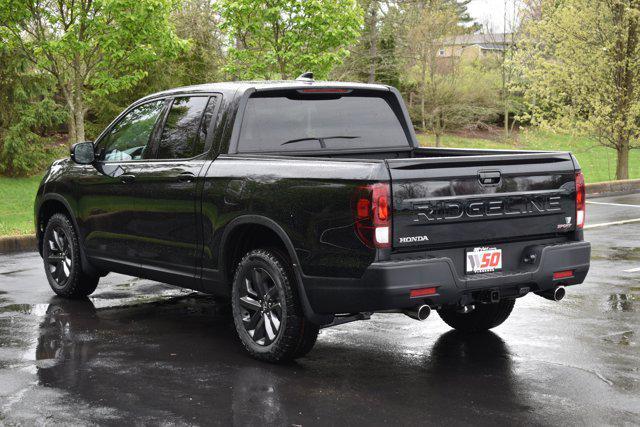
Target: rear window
(299,123)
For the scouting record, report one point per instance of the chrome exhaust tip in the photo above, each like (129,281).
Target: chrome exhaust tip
(419,312)
(554,294)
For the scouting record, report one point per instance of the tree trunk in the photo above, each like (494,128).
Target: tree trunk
(373,41)
(282,66)
(503,72)
(506,121)
(624,54)
(438,125)
(72,125)
(423,88)
(622,163)
(78,109)
(423,113)
(73,92)
(79,120)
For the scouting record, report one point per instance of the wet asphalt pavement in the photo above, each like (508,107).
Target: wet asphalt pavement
(146,353)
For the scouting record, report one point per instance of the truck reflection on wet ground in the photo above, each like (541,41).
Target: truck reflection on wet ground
(145,354)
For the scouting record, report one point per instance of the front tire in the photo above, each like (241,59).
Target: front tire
(266,310)
(483,318)
(61,255)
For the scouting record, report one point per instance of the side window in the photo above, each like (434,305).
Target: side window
(129,138)
(206,121)
(182,131)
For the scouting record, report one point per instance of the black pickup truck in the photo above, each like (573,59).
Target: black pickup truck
(309,204)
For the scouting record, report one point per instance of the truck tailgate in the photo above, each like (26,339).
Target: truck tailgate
(476,200)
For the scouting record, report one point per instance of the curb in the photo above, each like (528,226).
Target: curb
(24,243)
(612,188)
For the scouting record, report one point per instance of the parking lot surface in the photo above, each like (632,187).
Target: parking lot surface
(147,353)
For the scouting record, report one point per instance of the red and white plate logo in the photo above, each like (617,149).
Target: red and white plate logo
(484,260)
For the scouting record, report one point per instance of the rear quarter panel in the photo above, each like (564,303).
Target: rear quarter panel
(309,199)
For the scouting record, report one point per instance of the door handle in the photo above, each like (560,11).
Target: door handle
(127,179)
(186,177)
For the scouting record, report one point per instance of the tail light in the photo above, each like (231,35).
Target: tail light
(580,200)
(372,212)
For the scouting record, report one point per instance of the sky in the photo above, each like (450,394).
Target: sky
(491,12)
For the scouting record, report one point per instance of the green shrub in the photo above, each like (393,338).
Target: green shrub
(27,116)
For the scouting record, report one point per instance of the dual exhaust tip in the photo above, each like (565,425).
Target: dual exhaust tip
(422,312)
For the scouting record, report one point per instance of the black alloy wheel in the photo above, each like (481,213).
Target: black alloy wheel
(267,313)
(261,306)
(61,256)
(58,255)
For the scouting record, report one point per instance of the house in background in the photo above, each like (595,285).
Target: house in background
(469,47)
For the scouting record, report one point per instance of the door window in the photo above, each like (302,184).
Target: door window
(183,136)
(129,138)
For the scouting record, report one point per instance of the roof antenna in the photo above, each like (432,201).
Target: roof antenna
(308,76)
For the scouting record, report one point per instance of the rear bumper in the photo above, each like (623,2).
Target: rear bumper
(387,285)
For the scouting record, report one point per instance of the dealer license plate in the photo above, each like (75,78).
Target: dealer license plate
(483,260)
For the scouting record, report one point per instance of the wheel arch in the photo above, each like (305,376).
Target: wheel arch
(239,227)
(51,205)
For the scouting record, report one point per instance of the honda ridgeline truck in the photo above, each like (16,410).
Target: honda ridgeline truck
(309,204)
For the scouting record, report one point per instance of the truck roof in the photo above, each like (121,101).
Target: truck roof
(243,86)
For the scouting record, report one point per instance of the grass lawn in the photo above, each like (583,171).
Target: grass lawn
(16,205)
(598,163)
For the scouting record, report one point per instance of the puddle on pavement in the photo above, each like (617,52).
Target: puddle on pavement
(618,253)
(622,302)
(624,338)
(16,308)
(113,295)
(8,273)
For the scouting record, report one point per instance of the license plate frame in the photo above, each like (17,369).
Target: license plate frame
(483,259)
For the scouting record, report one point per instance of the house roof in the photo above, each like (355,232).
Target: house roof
(495,39)
(492,46)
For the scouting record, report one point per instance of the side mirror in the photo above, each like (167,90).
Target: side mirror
(83,153)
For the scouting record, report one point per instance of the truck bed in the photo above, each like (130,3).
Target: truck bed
(439,198)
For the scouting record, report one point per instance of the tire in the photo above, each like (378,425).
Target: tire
(483,318)
(266,311)
(61,256)
(308,340)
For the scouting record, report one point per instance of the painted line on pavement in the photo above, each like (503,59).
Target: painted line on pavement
(632,270)
(607,224)
(625,205)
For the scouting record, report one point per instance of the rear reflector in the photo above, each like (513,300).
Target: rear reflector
(562,274)
(423,292)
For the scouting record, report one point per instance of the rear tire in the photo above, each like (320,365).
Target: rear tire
(266,310)
(483,318)
(307,341)
(61,255)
